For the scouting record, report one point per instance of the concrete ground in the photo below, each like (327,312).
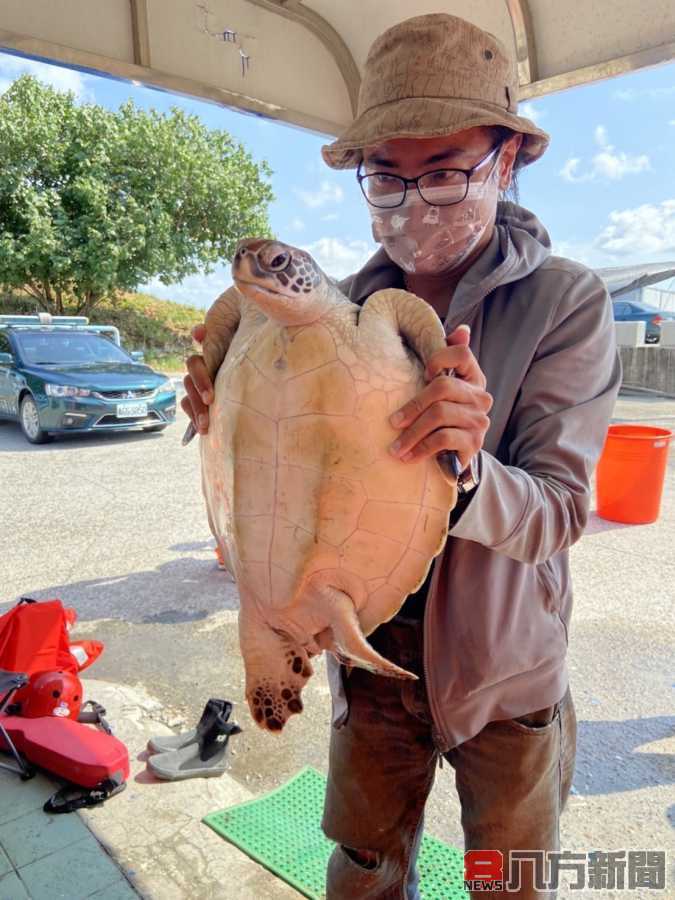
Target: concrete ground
(115,526)
(40,853)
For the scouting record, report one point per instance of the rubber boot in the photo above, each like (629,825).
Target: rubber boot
(166,742)
(204,758)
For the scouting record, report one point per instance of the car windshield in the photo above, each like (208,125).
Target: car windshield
(62,348)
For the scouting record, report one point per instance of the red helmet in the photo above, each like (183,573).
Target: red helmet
(52,694)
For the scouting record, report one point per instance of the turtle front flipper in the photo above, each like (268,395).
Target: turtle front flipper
(417,323)
(222,321)
(277,669)
(411,316)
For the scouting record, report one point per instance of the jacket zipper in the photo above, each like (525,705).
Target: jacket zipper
(439,740)
(436,734)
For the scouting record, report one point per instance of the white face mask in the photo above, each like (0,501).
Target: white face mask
(425,239)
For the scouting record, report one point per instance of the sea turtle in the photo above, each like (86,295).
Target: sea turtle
(325,532)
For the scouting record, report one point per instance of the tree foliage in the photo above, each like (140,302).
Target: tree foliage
(95,202)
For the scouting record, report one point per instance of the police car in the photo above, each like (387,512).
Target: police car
(59,374)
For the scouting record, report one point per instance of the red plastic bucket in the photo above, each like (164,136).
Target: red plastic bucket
(631,472)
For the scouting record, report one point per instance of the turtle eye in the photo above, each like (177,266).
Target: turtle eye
(280,261)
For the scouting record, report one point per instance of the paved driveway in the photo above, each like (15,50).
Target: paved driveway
(115,526)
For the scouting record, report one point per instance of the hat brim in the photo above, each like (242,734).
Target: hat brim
(426,117)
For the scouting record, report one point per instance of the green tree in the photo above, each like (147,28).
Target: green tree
(95,202)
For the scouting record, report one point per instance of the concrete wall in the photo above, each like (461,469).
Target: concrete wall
(630,334)
(668,334)
(650,366)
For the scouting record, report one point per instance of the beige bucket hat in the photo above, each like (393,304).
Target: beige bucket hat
(432,76)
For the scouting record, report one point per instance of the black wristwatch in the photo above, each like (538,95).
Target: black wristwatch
(469,479)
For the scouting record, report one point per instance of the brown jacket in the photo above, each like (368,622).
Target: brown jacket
(498,610)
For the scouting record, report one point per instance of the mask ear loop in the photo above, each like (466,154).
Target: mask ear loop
(495,167)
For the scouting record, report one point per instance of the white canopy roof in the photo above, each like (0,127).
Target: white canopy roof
(300,60)
(622,279)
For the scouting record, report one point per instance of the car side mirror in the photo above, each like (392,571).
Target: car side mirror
(137,355)
(6,359)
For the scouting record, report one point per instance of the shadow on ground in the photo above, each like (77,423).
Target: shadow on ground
(13,441)
(609,759)
(181,590)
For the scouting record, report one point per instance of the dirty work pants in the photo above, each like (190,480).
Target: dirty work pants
(512,779)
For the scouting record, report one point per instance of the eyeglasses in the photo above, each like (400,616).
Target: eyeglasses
(443,187)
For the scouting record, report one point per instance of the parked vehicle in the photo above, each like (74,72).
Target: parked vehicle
(61,375)
(633,311)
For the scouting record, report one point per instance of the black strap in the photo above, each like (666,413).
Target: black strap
(26,600)
(95,717)
(72,797)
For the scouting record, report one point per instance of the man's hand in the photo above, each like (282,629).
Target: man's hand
(198,386)
(450,413)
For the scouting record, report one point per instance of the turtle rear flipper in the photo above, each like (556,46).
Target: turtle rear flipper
(345,639)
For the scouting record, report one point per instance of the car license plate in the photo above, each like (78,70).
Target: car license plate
(130,410)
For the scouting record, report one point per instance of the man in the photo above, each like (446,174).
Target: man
(435,143)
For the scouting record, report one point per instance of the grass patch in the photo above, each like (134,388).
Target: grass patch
(169,364)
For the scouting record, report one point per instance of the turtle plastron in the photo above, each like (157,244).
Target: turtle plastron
(326,531)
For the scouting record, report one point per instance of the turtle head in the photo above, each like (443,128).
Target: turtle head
(282,281)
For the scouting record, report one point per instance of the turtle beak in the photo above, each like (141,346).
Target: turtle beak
(244,265)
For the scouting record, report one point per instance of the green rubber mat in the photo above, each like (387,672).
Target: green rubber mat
(282,831)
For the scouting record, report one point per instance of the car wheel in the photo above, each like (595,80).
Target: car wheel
(30,422)
(155,428)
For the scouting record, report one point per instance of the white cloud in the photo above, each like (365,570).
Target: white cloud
(607,163)
(337,258)
(297,224)
(532,112)
(569,170)
(340,258)
(644,230)
(315,167)
(11,67)
(327,193)
(629,95)
(576,250)
(330,217)
(195,290)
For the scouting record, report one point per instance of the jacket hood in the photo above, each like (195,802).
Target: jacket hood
(519,245)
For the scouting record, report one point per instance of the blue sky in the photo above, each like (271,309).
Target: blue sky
(605,189)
